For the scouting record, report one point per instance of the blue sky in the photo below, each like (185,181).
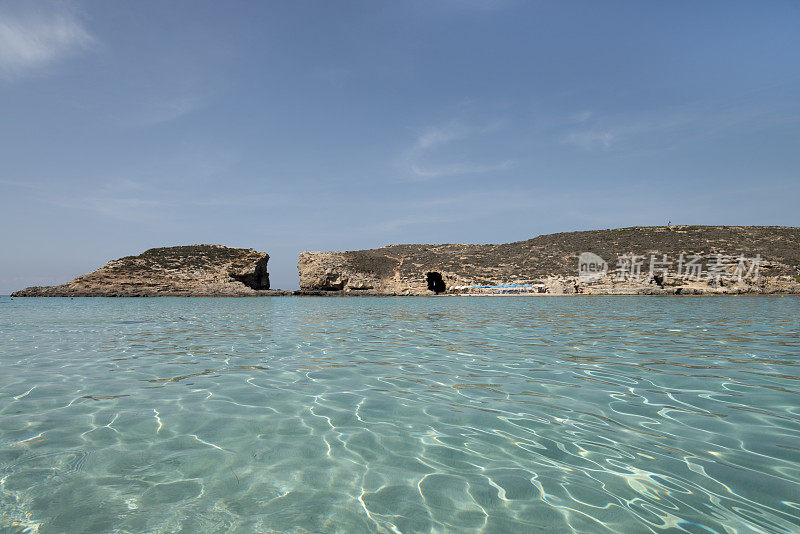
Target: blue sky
(290,126)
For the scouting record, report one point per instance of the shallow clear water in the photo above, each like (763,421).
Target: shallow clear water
(404,414)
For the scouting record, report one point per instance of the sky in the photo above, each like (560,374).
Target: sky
(286,126)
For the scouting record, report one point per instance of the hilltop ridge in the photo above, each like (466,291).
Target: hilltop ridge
(552,261)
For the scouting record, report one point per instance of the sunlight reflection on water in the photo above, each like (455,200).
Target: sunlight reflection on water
(408,414)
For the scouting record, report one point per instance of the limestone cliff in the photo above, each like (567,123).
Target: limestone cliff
(551,261)
(196,270)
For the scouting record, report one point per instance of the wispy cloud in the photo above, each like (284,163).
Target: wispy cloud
(438,171)
(168,109)
(422,161)
(35,39)
(591,139)
(667,128)
(583,116)
(439,135)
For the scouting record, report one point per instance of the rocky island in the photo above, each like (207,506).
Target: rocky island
(626,261)
(638,260)
(195,270)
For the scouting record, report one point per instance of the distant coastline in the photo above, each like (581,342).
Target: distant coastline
(661,260)
(673,260)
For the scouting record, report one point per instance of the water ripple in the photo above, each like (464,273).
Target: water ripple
(400,415)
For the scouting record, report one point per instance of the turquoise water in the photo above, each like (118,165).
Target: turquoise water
(408,414)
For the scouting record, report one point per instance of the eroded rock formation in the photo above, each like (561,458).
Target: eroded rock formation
(551,261)
(196,270)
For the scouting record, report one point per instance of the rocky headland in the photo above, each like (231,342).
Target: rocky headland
(685,260)
(626,261)
(196,270)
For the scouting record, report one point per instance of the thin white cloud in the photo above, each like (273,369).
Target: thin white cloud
(36,39)
(440,135)
(591,139)
(416,160)
(666,128)
(166,110)
(439,171)
(580,117)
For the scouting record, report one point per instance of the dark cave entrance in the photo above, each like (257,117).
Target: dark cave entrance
(435,282)
(258,279)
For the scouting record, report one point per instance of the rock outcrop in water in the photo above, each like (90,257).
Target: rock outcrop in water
(551,262)
(196,270)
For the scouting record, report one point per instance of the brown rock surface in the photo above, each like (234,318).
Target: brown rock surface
(195,270)
(552,261)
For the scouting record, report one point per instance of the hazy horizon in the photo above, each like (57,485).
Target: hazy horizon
(286,127)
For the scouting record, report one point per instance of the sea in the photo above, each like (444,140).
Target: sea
(442,414)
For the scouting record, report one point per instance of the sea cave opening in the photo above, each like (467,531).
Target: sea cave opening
(257,279)
(435,282)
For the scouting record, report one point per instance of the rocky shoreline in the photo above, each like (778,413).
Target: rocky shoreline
(661,261)
(632,261)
